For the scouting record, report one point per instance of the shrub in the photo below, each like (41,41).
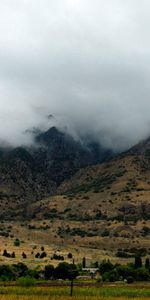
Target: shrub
(4,278)
(124,254)
(20,270)
(13,255)
(130,279)
(6,272)
(37,255)
(43,254)
(105,233)
(57,257)
(70,255)
(111,276)
(17,242)
(26,281)
(142,274)
(24,255)
(6,254)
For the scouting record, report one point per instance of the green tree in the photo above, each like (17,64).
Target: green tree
(66,271)
(84,263)
(147,263)
(106,266)
(49,272)
(138,262)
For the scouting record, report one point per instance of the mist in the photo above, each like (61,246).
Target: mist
(86,63)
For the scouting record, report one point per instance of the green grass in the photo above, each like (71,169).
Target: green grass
(38,293)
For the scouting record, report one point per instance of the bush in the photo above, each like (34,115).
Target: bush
(142,274)
(111,276)
(126,271)
(6,254)
(17,242)
(37,255)
(130,279)
(43,254)
(26,281)
(124,254)
(105,233)
(70,255)
(20,270)
(4,278)
(6,272)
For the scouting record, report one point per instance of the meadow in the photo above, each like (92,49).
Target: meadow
(85,293)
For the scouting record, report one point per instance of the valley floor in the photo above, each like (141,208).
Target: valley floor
(63,293)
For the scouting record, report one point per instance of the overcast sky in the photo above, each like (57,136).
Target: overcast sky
(86,62)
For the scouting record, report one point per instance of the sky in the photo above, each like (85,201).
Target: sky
(85,62)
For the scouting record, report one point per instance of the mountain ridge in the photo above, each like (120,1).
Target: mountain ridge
(28,174)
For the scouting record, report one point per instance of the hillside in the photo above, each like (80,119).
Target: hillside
(105,206)
(101,211)
(32,173)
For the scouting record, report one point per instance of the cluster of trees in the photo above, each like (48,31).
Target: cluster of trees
(15,271)
(136,271)
(9,255)
(41,255)
(131,272)
(57,257)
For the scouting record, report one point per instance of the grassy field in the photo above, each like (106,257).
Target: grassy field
(62,293)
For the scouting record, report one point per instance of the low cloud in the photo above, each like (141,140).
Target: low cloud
(86,63)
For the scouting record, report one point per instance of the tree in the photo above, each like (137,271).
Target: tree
(138,262)
(106,266)
(84,263)
(37,255)
(49,272)
(111,276)
(43,254)
(70,255)
(24,255)
(142,274)
(20,270)
(13,255)
(147,263)
(66,271)
(7,272)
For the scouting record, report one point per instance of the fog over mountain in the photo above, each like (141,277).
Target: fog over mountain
(87,63)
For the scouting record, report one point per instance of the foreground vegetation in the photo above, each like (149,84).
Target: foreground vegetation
(55,293)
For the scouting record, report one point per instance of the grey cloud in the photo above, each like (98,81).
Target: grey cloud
(85,62)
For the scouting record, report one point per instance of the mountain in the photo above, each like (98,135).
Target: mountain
(106,206)
(54,194)
(122,184)
(30,174)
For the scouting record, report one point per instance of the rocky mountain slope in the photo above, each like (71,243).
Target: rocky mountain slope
(29,174)
(104,206)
